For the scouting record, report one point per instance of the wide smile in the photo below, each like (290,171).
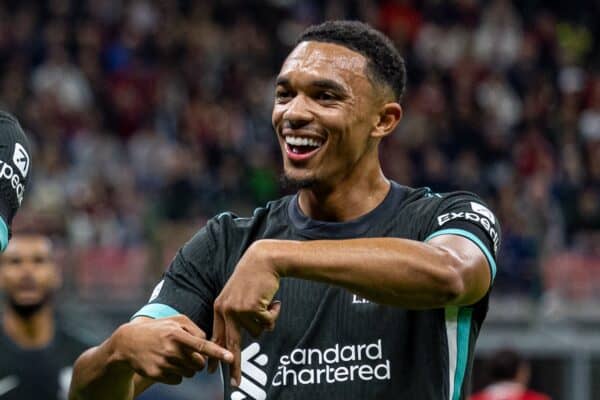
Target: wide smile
(302,148)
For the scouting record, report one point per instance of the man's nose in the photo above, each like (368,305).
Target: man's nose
(27,267)
(298,112)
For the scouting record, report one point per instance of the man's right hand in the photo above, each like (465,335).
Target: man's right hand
(140,353)
(164,350)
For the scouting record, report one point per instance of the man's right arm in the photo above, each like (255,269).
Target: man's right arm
(140,353)
(97,375)
(161,343)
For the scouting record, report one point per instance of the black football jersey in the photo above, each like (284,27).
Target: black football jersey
(38,374)
(330,343)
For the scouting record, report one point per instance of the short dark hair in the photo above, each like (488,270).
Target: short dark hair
(384,63)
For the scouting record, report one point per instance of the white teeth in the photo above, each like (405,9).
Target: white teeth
(300,141)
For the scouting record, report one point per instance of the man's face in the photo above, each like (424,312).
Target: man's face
(28,274)
(325,109)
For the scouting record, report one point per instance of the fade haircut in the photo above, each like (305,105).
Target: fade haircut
(385,65)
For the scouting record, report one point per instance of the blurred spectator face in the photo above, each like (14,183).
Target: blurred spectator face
(323,93)
(28,274)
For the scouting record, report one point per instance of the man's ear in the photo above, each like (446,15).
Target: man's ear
(389,117)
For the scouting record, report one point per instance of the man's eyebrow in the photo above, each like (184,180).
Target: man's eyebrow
(328,84)
(320,83)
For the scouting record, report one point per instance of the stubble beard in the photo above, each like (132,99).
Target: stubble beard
(289,183)
(27,310)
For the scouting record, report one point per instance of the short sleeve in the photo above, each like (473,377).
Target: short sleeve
(189,286)
(466,215)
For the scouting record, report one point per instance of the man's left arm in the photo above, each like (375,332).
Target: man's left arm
(447,270)
(452,267)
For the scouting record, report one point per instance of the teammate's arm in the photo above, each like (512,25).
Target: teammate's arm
(447,270)
(15,169)
(140,353)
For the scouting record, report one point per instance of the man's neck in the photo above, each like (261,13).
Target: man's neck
(34,331)
(347,200)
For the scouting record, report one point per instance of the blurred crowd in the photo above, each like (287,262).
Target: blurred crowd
(148,117)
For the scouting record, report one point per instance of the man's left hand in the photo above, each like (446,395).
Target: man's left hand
(246,302)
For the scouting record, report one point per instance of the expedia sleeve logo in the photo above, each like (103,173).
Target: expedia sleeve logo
(21,162)
(481,215)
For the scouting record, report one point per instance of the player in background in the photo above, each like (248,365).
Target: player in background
(37,356)
(509,374)
(15,169)
(356,287)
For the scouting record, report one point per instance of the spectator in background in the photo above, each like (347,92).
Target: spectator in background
(36,356)
(510,377)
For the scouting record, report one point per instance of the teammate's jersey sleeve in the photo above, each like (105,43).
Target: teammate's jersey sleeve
(3,234)
(190,284)
(464,214)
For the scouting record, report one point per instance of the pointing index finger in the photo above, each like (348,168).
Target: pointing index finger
(204,347)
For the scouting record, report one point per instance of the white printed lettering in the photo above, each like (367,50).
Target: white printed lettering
(7,172)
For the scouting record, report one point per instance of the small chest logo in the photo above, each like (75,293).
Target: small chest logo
(359,300)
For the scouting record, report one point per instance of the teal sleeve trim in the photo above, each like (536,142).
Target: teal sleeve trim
(156,311)
(3,235)
(472,238)
(462,338)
